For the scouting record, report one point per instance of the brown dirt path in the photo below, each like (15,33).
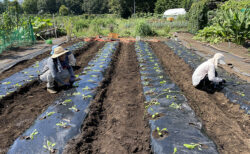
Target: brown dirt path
(22,109)
(224,122)
(115,123)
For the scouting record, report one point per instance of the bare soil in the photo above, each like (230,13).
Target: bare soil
(115,123)
(223,121)
(24,64)
(18,112)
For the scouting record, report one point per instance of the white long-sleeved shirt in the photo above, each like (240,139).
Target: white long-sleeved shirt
(206,68)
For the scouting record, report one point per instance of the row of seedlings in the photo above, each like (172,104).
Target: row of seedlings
(236,90)
(63,119)
(19,79)
(174,127)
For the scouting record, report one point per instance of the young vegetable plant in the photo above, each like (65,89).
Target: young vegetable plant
(163,82)
(74,108)
(161,131)
(86,96)
(76,93)
(31,136)
(65,102)
(175,106)
(85,88)
(6,83)
(48,114)
(175,150)
(155,115)
(50,146)
(62,124)
(192,146)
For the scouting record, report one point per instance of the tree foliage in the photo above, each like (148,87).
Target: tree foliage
(63,10)
(163,5)
(75,6)
(30,6)
(95,6)
(46,6)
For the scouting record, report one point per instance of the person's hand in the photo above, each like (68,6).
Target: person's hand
(72,80)
(67,86)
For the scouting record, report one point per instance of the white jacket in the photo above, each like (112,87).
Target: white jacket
(208,68)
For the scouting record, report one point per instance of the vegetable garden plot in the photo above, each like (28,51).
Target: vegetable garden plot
(61,121)
(174,126)
(19,79)
(236,90)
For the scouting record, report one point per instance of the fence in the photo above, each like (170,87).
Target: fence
(22,36)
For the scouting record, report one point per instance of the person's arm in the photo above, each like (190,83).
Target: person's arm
(72,60)
(52,69)
(211,74)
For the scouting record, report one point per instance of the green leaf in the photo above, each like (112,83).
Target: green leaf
(175,150)
(44,146)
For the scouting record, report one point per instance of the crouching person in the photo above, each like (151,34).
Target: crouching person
(205,76)
(57,71)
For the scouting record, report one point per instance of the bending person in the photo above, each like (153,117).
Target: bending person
(72,60)
(57,70)
(205,75)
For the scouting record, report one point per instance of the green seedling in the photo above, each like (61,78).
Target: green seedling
(86,96)
(160,131)
(74,108)
(17,85)
(62,124)
(36,64)
(28,80)
(155,115)
(48,114)
(175,150)
(37,72)
(96,70)
(66,101)
(240,93)
(6,83)
(152,61)
(77,76)
(76,93)
(175,106)
(161,77)
(35,132)
(50,146)
(163,82)
(146,83)
(152,102)
(152,109)
(94,76)
(158,70)
(85,88)
(101,66)
(25,72)
(31,76)
(192,146)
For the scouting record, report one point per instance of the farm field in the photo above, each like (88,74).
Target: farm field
(132,97)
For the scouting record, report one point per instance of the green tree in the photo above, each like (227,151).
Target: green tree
(75,6)
(124,8)
(1,8)
(30,6)
(6,4)
(63,10)
(15,9)
(163,5)
(95,6)
(47,6)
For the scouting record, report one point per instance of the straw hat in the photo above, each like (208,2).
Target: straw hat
(58,51)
